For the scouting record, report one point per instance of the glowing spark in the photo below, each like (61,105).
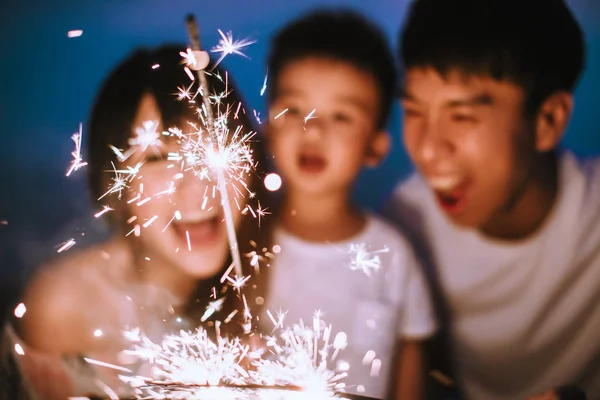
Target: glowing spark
(20,310)
(19,349)
(375,367)
(74,33)
(121,178)
(301,358)
(146,136)
(369,357)
(281,113)
(224,152)
(310,116)
(264,86)
(104,210)
(365,260)
(155,66)
(77,160)
(238,282)
(184,93)
(189,74)
(106,365)
(150,221)
(118,153)
(191,358)
(277,323)
(195,59)
(189,364)
(213,306)
(228,46)
(66,245)
(261,212)
(272,182)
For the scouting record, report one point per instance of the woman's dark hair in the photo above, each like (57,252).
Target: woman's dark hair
(160,72)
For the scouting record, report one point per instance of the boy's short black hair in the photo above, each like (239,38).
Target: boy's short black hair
(536,44)
(342,35)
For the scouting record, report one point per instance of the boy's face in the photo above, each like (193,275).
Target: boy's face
(469,138)
(323,124)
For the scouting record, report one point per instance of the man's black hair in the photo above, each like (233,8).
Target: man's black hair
(536,44)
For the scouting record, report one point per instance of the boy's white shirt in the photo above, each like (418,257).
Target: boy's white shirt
(375,310)
(526,315)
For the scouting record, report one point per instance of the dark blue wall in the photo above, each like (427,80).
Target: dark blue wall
(47,83)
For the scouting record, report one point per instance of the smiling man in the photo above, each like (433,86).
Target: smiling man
(509,223)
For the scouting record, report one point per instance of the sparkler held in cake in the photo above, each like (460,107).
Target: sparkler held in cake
(192,365)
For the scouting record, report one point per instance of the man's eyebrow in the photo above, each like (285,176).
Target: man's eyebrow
(286,91)
(481,99)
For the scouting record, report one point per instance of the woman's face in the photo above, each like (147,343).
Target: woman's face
(176,214)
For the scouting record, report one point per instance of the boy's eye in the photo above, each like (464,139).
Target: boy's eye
(293,111)
(339,117)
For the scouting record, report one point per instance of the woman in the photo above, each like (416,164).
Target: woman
(170,246)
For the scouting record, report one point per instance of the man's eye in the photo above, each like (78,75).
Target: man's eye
(410,112)
(463,118)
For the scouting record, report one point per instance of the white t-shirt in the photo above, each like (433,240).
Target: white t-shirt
(374,310)
(526,315)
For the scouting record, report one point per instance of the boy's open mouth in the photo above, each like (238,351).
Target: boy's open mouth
(310,162)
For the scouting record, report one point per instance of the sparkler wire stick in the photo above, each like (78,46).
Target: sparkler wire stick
(194,36)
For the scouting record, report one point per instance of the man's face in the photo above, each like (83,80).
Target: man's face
(469,138)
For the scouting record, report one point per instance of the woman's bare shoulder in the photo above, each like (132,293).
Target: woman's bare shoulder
(65,298)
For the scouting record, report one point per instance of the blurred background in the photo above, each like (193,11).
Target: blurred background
(48,82)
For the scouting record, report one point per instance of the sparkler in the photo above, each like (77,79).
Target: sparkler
(229,46)
(219,156)
(66,245)
(365,260)
(190,365)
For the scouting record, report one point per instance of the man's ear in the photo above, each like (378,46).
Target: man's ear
(378,149)
(552,120)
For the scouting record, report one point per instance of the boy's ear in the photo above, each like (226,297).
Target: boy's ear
(552,120)
(378,149)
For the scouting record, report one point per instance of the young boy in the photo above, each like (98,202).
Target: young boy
(332,85)
(512,224)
